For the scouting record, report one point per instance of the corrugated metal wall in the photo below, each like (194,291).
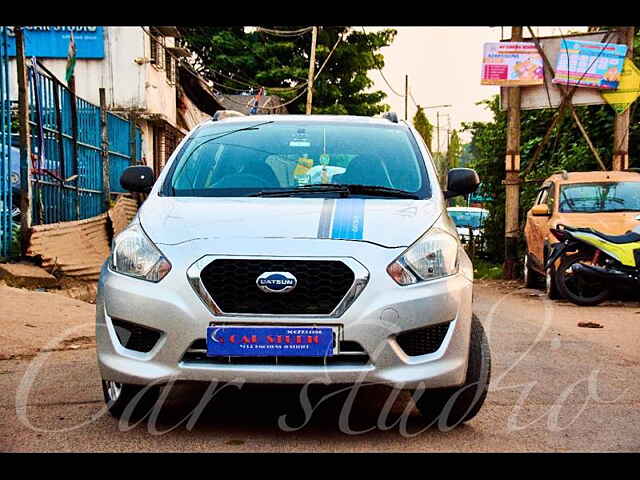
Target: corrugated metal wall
(79,248)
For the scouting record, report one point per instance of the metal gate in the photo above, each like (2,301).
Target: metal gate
(5,150)
(66,148)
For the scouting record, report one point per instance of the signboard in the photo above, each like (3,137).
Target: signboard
(53,42)
(590,64)
(511,64)
(628,90)
(539,96)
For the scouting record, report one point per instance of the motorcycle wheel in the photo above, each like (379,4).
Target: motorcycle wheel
(576,289)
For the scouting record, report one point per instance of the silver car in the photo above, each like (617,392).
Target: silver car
(292,249)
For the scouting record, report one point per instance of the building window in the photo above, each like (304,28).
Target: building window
(157,49)
(170,67)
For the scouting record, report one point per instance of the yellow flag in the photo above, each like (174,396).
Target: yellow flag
(628,89)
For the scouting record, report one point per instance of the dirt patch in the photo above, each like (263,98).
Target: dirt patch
(77,289)
(32,319)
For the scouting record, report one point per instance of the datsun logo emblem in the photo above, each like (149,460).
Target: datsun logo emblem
(276,282)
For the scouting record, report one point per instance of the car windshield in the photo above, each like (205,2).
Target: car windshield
(600,197)
(240,159)
(462,218)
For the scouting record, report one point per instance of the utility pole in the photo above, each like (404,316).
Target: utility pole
(25,141)
(621,122)
(312,66)
(104,150)
(512,180)
(406,94)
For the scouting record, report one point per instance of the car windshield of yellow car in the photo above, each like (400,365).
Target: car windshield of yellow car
(600,197)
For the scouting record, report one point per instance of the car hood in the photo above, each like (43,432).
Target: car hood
(386,222)
(611,223)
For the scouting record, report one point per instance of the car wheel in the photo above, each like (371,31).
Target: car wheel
(118,396)
(456,405)
(529,275)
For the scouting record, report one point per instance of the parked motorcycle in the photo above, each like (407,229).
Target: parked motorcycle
(594,264)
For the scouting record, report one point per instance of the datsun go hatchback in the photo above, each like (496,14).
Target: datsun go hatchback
(292,249)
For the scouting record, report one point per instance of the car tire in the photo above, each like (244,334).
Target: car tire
(433,403)
(529,275)
(118,396)
(573,297)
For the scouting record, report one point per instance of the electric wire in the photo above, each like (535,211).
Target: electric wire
(378,68)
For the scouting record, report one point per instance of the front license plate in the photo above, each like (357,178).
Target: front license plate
(252,341)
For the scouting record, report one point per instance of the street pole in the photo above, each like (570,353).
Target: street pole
(25,141)
(512,180)
(104,150)
(406,94)
(621,122)
(312,66)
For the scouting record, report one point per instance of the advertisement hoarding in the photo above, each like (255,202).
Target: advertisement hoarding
(589,64)
(548,96)
(511,64)
(53,41)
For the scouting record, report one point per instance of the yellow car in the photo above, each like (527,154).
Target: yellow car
(605,201)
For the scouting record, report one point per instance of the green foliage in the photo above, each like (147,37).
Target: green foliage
(235,60)
(486,270)
(454,151)
(423,126)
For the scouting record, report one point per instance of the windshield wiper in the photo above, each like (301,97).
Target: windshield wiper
(378,191)
(342,188)
(303,189)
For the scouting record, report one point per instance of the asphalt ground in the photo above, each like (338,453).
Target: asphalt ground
(555,387)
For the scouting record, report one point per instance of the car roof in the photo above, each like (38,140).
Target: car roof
(597,176)
(307,118)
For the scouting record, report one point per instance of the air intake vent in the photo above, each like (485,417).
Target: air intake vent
(134,336)
(421,341)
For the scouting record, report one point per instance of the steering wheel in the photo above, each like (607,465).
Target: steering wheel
(241,180)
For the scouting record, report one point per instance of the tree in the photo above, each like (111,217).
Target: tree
(235,60)
(423,126)
(454,151)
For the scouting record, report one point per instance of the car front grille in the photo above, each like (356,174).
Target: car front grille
(134,336)
(421,341)
(322,284)
(351,354)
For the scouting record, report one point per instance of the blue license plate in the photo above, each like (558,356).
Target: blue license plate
(251,341)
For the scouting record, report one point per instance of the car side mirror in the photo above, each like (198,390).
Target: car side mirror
(461,181)
(541,210)
(138,178)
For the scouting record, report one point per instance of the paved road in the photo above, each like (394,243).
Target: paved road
(555,387)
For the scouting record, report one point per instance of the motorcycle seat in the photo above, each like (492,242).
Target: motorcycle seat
(628,237)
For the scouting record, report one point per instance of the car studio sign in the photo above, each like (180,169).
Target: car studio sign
(53,41)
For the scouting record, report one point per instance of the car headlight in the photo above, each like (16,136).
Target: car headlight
(434,255)
(134,254)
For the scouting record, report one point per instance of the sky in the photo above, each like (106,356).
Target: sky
(443,65)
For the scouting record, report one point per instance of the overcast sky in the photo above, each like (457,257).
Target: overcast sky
(443,64)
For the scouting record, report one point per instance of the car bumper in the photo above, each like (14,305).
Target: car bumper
(381,311)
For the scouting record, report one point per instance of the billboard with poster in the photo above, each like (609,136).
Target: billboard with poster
(511,64)
(590,64)
(548,94)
